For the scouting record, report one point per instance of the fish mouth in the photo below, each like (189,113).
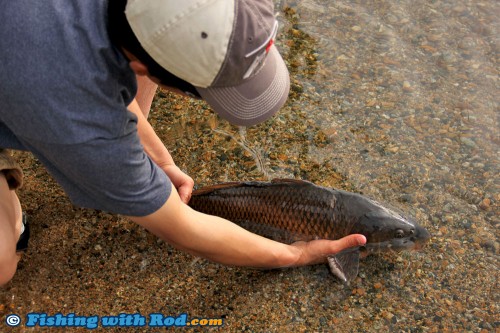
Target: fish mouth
(395,245)
(415,242)
(422,237)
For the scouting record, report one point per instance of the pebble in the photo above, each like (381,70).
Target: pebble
(407,86)
(392,149)
(468,142)
(491,245)
(144,263)
(387,315)
(485,204)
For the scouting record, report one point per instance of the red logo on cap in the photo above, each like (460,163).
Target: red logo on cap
(268,47)
(259,59)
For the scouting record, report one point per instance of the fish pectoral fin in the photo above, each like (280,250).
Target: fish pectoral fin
(344,265)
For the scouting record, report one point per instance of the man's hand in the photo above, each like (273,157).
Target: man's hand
(182,182)
(316,251)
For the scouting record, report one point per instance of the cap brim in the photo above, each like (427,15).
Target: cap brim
(257,98)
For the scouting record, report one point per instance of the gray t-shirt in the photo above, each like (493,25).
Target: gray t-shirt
(64,93)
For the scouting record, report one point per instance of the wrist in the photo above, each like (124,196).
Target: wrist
(287,256)
(166,164)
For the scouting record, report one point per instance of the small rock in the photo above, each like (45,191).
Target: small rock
(144,264)
(466,224)
(357,315)
(407,86)
(356,28)
(490,245)
(392,149)
(485,204)
(387,315)
(468,142)
(437,319)
(485,325)
(448,207)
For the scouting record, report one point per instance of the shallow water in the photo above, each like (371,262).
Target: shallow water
(397,100)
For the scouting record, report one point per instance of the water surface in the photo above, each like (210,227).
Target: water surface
(397,100)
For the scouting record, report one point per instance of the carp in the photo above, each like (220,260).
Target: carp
(289,210)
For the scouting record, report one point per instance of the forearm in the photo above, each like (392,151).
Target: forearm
(160,155)
(214,238)
(224,242)
(153,146)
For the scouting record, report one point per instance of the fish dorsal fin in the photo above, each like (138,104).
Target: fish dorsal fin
(344,265)
(290,181)
(211,188)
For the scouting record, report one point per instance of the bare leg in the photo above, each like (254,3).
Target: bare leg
(10,228)
(146,90)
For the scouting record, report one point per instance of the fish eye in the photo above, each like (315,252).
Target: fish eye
(400,233)
(412,231)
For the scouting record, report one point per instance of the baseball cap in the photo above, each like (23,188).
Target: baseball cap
(224,48)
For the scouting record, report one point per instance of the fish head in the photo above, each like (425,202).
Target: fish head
(385,229)
(390,231)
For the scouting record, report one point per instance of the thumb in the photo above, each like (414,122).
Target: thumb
(316,251)
(346,242)
(184,194)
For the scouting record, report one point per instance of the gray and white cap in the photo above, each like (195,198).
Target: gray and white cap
(225,48)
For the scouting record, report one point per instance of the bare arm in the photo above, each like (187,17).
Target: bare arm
(221,241)
(152,144)
(157,151)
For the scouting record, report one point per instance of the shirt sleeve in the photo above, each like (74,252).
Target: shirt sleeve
(110,174)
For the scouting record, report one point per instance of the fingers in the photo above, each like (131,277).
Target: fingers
(182,182)
(186,189)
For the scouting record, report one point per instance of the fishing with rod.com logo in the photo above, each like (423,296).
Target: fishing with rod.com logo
(35,319)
